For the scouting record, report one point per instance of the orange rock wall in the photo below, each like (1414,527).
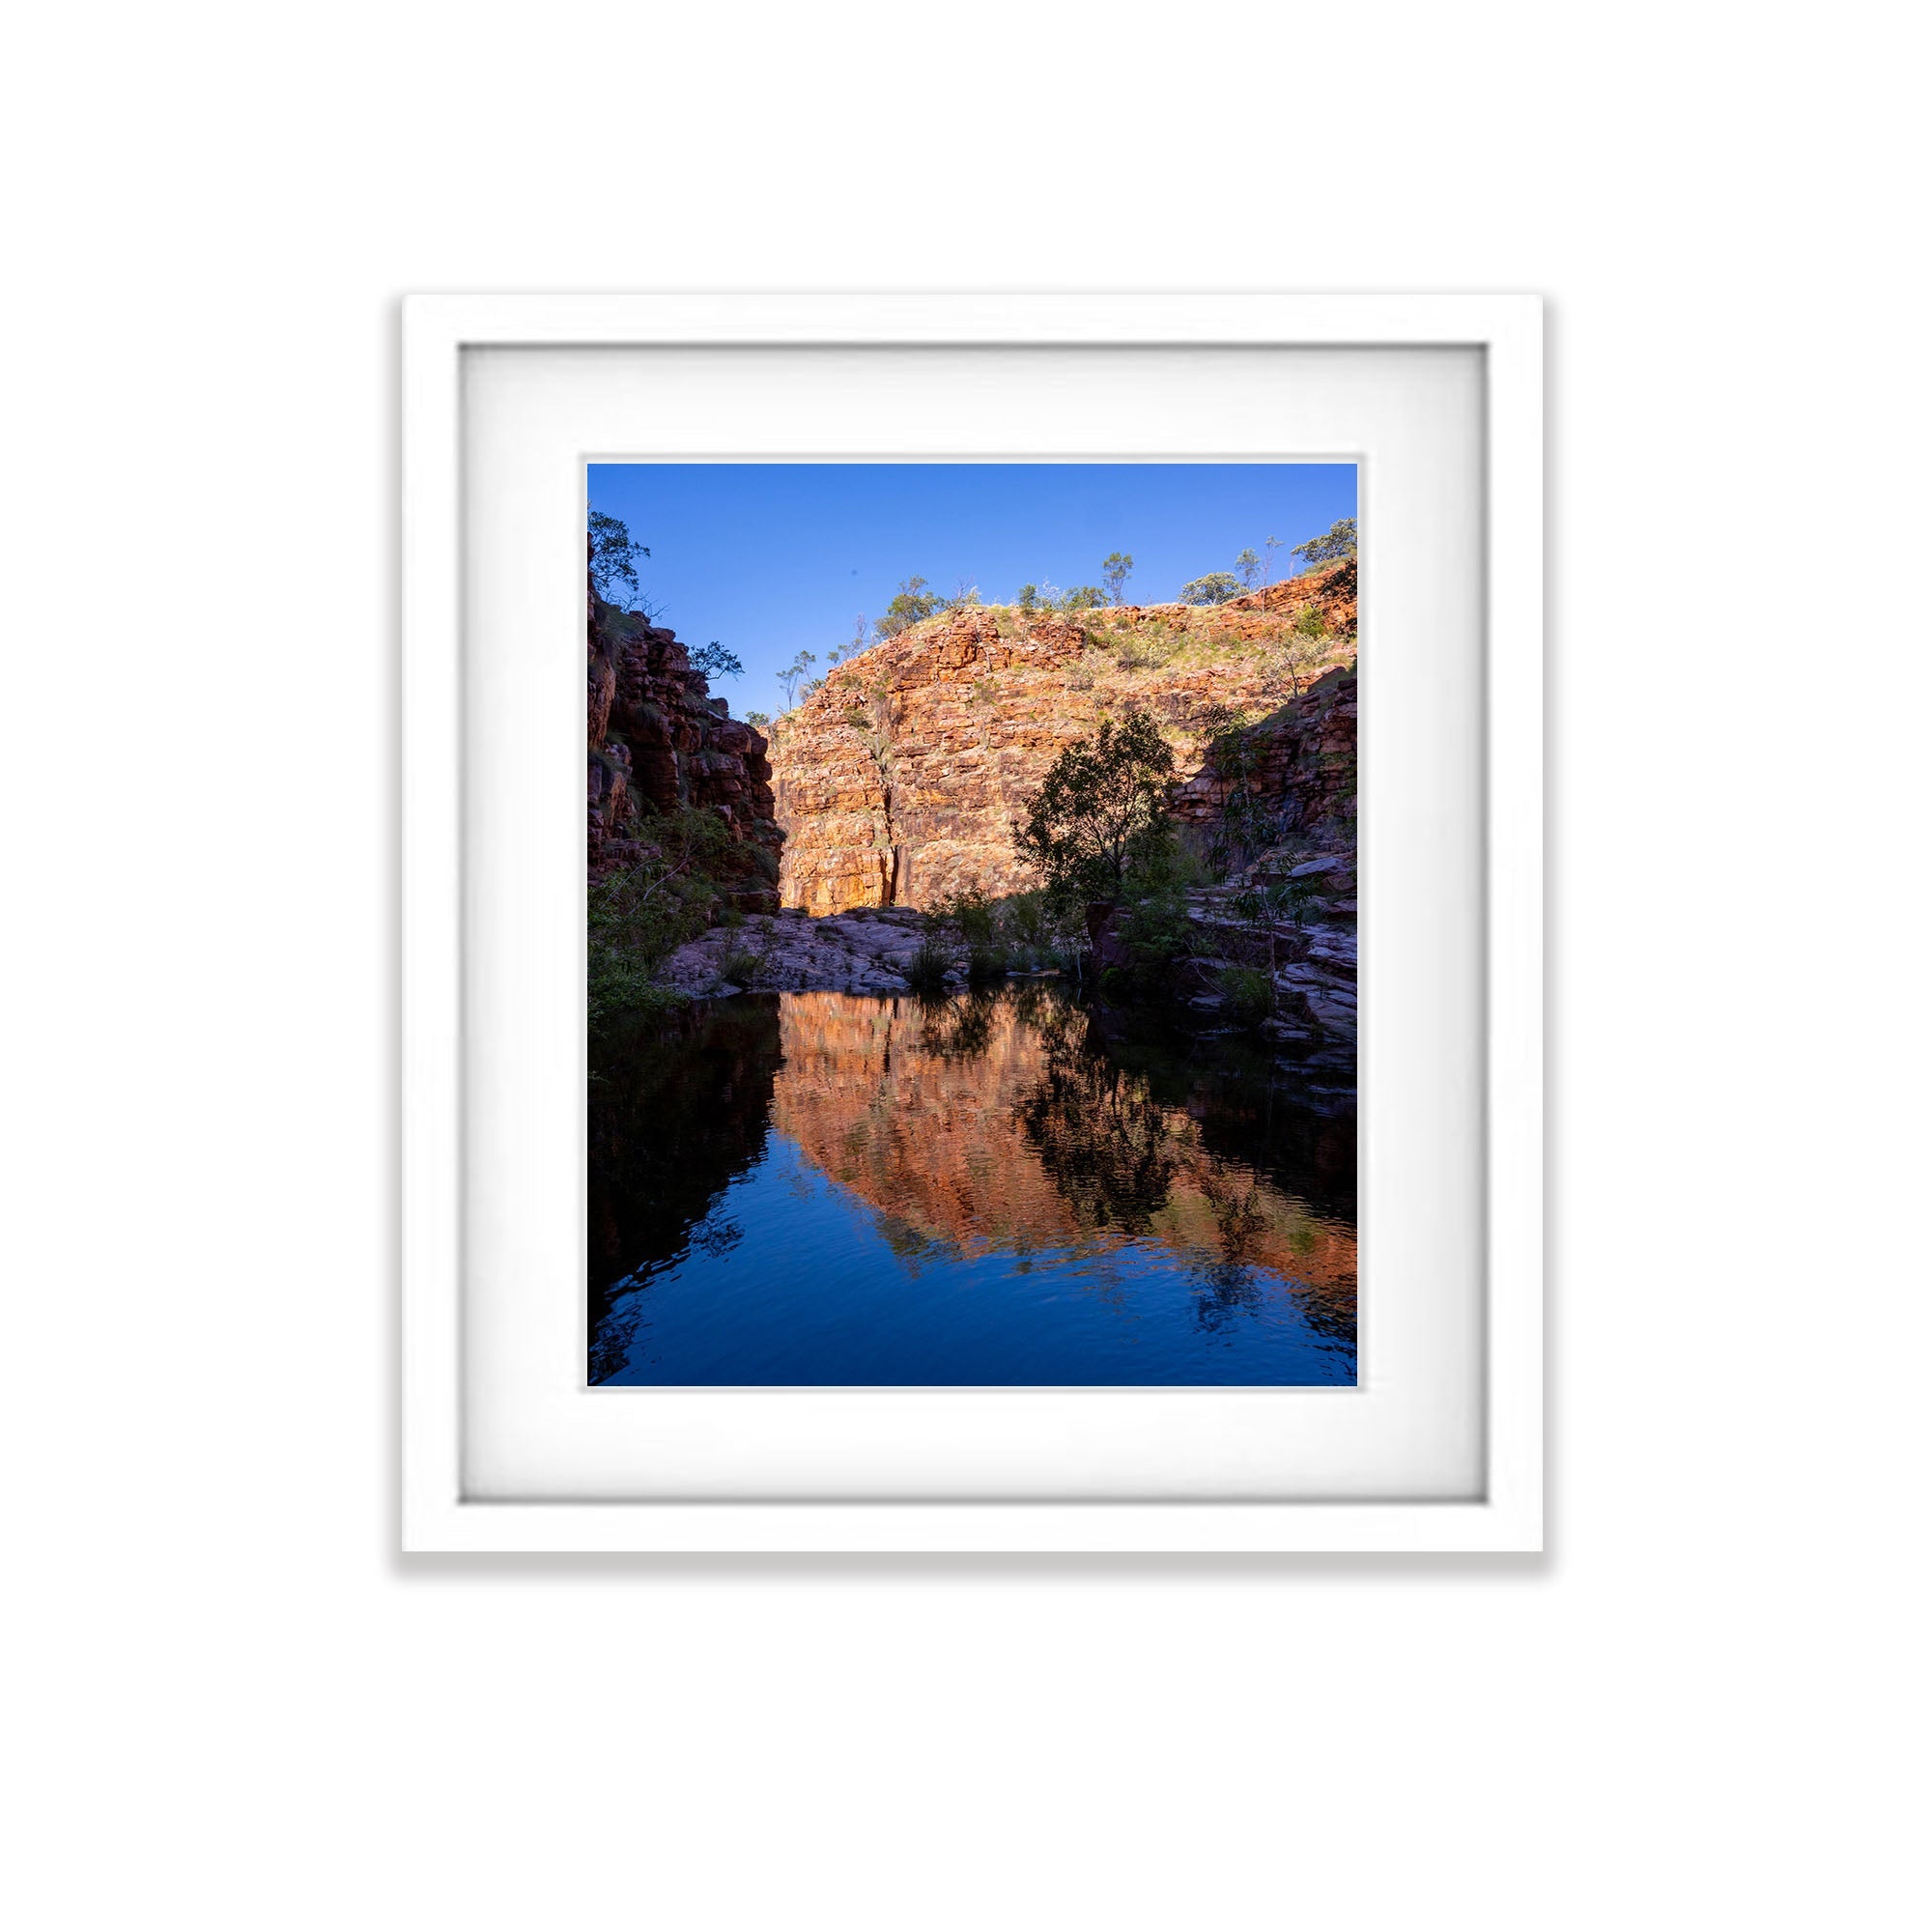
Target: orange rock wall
(898,782)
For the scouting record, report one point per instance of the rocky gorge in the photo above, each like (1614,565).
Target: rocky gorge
(897,783)
(894,788)
(867,1104)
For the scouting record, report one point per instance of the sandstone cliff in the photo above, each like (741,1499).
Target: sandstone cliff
(1285,779)
(898,780)
(658,741)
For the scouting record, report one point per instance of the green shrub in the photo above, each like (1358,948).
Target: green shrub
(1156,932)
(1291,898)
(914,602)
(1248,991)
(742,966)
(623,992)
(691,872)
(1028,917)
(637,917)
(1187,868)
(987,962)
(972,912)
(1154,924)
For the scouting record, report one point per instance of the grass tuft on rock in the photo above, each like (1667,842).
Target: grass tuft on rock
(925,970)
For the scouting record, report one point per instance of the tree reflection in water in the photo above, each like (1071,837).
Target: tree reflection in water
(1098,1132)
(961,1027)
(1000,1123)
(1114,1145)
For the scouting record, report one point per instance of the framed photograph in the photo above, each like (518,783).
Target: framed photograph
(1032,1041)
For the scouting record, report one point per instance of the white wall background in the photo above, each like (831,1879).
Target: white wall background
(233,1707)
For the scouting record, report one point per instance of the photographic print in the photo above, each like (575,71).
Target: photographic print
(971,950)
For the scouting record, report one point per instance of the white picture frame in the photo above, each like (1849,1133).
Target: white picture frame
(1506,1514)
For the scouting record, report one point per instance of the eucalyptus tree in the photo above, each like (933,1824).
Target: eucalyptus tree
(613,560)
(1216,587)
(788,675)
(1100,811)
(1334,543)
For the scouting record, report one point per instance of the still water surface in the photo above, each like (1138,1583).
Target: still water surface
(997,1187)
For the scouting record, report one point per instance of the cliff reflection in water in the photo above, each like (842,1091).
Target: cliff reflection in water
(983,1189)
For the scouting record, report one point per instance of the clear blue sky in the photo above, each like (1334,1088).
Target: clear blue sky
(771,558)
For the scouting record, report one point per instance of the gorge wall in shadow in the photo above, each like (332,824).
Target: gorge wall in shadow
(676,1111)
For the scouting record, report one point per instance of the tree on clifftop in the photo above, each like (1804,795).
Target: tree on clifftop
(712,659)
(1100,811)
(1336,542)
(914,603)
(789,674)
(1216,587)
(1113,574)
(613,560)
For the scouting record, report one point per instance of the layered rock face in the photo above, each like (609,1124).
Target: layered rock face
(659,739)
(1287,779)
(898,783)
